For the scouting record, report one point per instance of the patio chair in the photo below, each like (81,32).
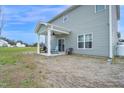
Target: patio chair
(55,51)
(43,50)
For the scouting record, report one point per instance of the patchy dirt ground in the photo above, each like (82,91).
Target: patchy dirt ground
(62,72)
(81,71)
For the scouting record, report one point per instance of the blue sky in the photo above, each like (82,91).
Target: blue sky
(20,21)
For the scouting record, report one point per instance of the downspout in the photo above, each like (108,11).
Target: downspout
(110,35)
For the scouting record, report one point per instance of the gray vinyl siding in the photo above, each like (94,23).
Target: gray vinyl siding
(83,20)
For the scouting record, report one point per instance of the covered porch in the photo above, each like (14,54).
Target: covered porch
(54,39)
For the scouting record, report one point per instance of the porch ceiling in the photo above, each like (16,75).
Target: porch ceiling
(60,32)
(53,28)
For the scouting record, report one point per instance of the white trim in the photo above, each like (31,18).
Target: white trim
(100,10)
(84,40)
(52,27)
(49,42)
(60,31)
(58,42)
(38,26)
(38,44)
(110,32)
(60,27)
(59,53)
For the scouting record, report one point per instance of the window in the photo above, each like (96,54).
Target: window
(85,41)
(88,41)
(99,8)
(65,19)
(81,41)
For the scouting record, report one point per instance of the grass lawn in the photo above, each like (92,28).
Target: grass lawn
(12,55)
(18,69)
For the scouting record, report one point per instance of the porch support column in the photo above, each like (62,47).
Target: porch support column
(49,42)
(38,44)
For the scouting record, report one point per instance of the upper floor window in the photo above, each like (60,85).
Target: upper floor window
(99,8)
(65,19)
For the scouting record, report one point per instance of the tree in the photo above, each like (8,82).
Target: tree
(34,45)
(12,42)
(19,41)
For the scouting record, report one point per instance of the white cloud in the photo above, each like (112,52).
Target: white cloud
(29,14)
(16,16)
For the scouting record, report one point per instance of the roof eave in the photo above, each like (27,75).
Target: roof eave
(39,25)
(64,12)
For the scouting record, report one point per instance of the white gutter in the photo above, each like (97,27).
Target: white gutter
(110,32)
(60,31)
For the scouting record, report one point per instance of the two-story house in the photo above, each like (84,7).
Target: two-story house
(88,29)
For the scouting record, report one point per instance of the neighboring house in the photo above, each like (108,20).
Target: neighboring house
(18,44)
(88,29)
(4,43)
